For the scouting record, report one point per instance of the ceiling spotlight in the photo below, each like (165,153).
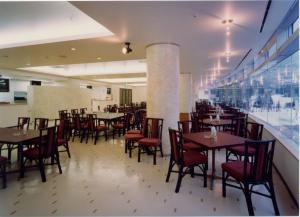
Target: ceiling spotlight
(98,58)
(224,21)
(227,33)
(230,20)
(73,49)
(28,64)
(126,49)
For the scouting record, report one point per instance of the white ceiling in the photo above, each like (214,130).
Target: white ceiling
(196,26)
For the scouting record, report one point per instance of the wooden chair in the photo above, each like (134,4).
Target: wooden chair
(40,123)
(252,131)
(46,150)
(152,142)
(89,127)
(74,111)
(3,163)
(185,160)
(62,135)
(101,126)
(255,169)
(188,127)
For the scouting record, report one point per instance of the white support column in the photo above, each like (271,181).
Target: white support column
(185,92)
(163,86)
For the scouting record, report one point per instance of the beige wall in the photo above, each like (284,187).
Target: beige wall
(139,94)
(9,114)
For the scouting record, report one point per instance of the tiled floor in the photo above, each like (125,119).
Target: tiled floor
(102,180)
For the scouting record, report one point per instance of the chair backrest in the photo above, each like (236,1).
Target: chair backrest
(176,145)
(76,121)
(127,120)
(154,127)
(254,130)
(48,142)
(62,128)
(91,119)
(22,121)
(238,125)
(82,110)
(188,126)
(261,162)
(74,111)
(40,123)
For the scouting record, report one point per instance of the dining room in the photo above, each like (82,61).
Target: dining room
(149,108)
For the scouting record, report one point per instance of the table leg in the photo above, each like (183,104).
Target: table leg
(20,152)
(213,169)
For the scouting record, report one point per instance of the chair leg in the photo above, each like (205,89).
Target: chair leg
(169,170)
(161,151)
(42,170)
(3,173)
(68,150)
(180,175)
(87,136)
(105,132)
(223,184)
(126,146)
(272,192)
(82,135)
(192,172)
(139,153)
(130,149)
(113,133)
(248,199)
(205,176)
(58,162)
(96,137)
(154,156)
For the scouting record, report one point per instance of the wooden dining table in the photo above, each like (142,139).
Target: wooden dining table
(216,123)
(19,137)
(222,116)
(223,140)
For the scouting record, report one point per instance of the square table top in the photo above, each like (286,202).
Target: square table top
(108,116)
(223,140)
(17,136)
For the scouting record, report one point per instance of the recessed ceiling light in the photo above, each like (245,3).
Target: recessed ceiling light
(73,49)
(98,58)
(227,33)
(28,64)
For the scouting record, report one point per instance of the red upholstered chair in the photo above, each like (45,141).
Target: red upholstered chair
(188,127)
(101,126)
(77,126)
(255,169)
(151,143)
(252,131)
(185,160)
(89,127)
(121,125)
(62,135)
(74,111)
(133,136)
(40,123)
(46,150)
(3,162)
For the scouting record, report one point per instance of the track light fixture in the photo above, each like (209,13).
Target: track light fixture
(126,49)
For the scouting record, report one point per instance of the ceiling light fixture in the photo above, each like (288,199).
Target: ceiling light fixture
(126,49)
(98,58)
(73,49)
(28,64)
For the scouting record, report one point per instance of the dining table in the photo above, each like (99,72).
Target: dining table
(221,123)
(18,137)
(222,140)
(222,116)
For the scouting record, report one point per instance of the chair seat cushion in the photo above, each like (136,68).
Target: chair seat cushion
(190,145)
(134,132)
(118,126)
(236,169)
(194,158)
(149,142)
(101,127)
(240,150)
(3,160)
(31,153)
(61,141)
(133,137)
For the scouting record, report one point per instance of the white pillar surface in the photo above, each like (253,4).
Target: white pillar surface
(163,87)
(185,93)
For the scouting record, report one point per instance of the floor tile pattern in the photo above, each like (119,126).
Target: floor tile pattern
(102,180)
